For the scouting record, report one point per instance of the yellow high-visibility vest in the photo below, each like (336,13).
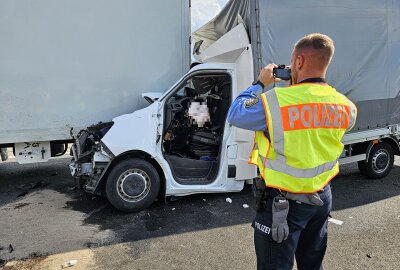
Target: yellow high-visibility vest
(306,123)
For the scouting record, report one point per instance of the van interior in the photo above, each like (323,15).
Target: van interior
(195,116)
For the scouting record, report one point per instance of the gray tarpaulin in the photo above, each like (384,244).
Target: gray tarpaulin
(366,64)
(222,23)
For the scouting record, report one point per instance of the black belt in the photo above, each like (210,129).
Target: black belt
(274,191)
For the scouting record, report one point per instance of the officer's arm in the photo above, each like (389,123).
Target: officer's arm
(247,110)
(353,115)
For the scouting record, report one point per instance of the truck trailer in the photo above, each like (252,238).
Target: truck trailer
(70,63)
(181,144)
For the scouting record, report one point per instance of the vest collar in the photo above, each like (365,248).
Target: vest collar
(313,80)
(320,81)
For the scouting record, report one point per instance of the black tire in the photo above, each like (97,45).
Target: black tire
(379,163)
(132,185)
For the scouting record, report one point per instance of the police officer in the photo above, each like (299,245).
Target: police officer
(298,132)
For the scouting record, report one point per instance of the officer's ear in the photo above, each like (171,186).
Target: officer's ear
(299,61)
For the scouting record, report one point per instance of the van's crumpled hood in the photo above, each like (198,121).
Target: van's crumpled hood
(137,130)
(152,96)
(138,113)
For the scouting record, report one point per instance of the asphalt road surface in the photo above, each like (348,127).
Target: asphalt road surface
(44,223)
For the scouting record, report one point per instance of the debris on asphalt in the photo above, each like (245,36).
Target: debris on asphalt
(98,209)
(369,256)
(38,185)
(350,217)
(1,248)
(174,198)
(25,188)
(335,221)
(173,209)
(22,194)
(245,205)
(69,263)
(204,200)
(20,205)
(36,254)
(11,264)
(228,200)
(10,248)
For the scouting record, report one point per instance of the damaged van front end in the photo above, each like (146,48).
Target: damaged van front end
(90,157)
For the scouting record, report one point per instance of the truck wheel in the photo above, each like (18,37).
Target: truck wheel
(132,185)
(379,163)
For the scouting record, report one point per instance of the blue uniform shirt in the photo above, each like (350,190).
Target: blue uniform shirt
(247,110)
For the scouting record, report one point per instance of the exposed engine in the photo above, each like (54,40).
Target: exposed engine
(87,139)
(86,145)
(195,118)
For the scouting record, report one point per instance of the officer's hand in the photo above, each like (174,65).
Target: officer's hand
(266,76)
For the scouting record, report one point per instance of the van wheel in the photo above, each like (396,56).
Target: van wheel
(132,185)
(379,163)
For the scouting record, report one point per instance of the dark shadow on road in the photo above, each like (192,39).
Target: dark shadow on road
(188,214)
(18,180)
(191,213)
(351,189)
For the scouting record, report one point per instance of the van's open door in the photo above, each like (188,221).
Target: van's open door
(239,152)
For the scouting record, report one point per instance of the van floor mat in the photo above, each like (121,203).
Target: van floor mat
(192,171)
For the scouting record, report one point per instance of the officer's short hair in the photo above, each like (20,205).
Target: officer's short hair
(321,44)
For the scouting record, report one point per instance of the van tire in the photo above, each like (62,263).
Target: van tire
(379,163)
(132,185)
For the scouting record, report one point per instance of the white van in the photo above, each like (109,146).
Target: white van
(161,148)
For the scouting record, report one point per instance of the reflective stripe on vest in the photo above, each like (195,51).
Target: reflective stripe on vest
(280,165)
(353,114)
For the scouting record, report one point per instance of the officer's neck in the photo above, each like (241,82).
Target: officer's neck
(308,75)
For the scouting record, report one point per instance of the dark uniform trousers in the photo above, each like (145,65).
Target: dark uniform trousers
(307,241)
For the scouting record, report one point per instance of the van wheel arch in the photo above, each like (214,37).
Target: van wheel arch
(131,155)
(394,144)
